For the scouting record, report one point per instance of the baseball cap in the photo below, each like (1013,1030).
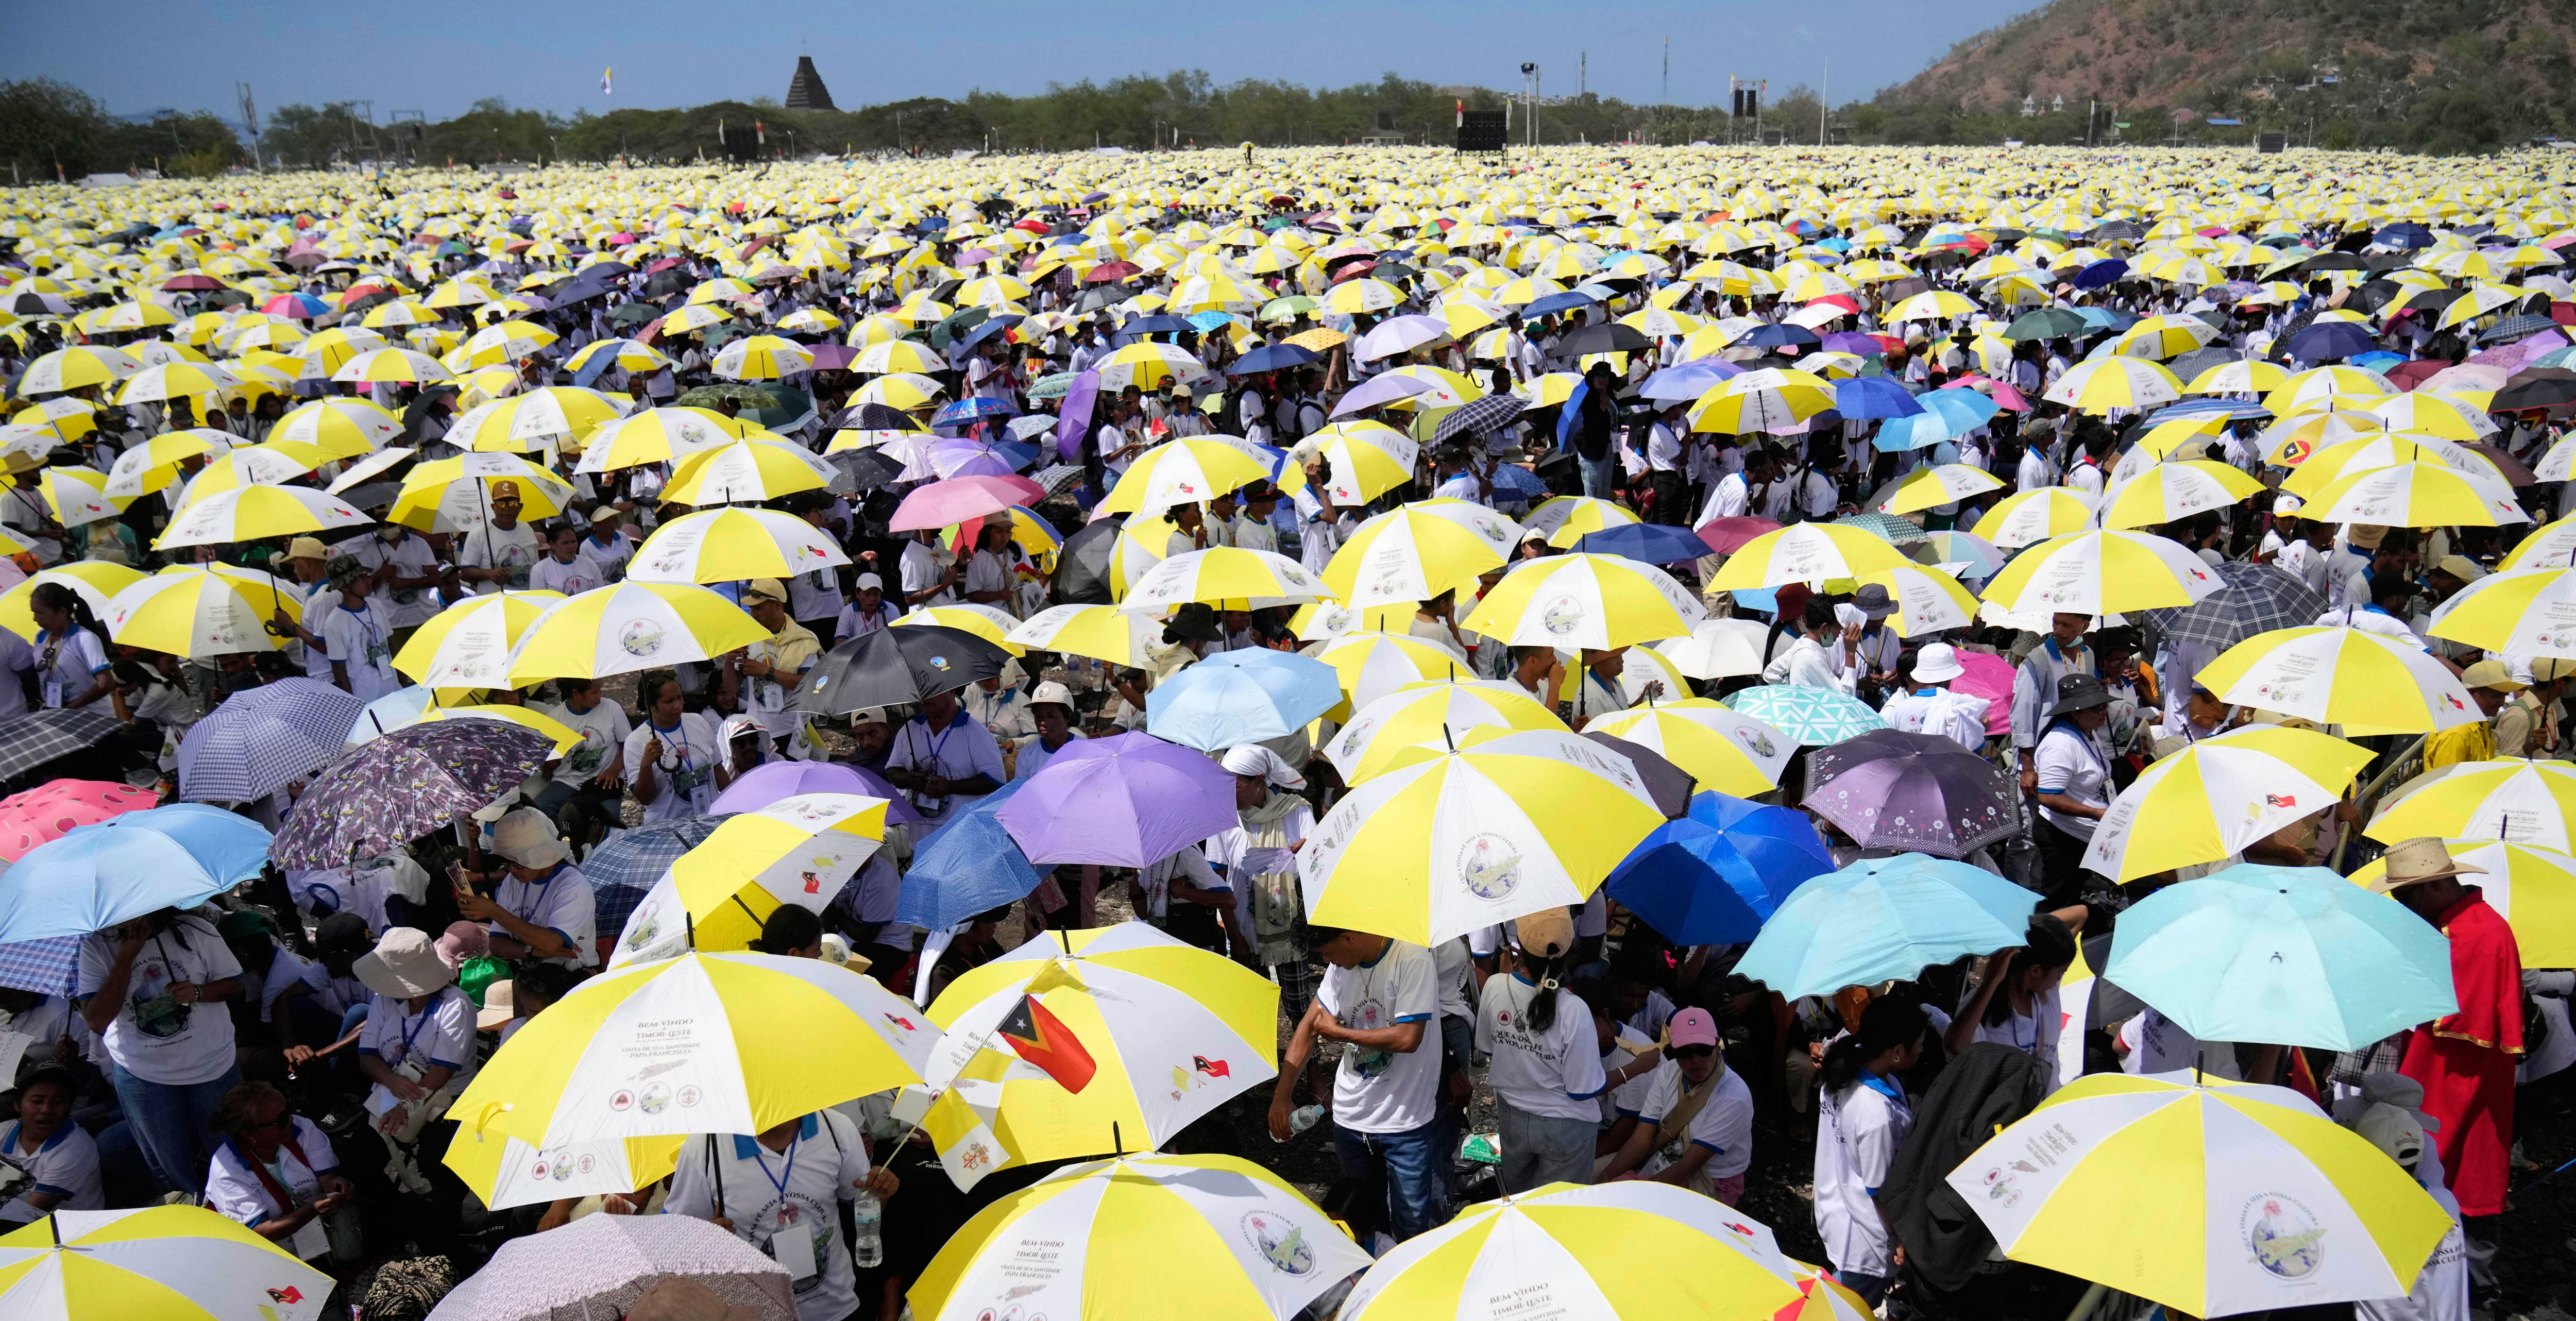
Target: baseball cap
(2393,1131)
(1544,934)
(1052,693)
(763,588)
(2287,505)
(1694,1027)
(307,548)
(2491,674)
(868,580)
(506,488)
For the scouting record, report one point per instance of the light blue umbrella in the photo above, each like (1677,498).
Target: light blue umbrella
(970,864)
(1813,716)
(2292,956)
(1241,697)
(1883,918)
(125,867)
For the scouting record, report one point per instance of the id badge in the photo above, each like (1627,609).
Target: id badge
(311,1241)
(792,1248)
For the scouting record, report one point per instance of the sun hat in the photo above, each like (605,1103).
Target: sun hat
(500,1005)
(2079,692)
(2423,858)
(1545,934)
(527,837)
(1938,662)
(403,964)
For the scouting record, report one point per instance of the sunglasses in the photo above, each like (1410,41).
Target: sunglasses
(1691,1052)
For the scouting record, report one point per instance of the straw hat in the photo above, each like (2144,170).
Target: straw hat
(2423,858)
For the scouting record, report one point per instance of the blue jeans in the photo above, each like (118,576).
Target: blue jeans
(170,1124)
(1599,475)
(1404,1165)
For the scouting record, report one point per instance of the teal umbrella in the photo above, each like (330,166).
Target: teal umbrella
(1883,918)
(2293,956)
(1813,716)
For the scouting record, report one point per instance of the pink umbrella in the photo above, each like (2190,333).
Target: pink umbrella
(1989,676)
(2467,376)
(948,503)
(2004,395)
(1728,535)
(48,813)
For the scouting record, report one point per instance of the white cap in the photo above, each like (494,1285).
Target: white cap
(868,580)
(1056,693)
(2286,505)
(1938,662)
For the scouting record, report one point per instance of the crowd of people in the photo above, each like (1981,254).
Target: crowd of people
(1574,366)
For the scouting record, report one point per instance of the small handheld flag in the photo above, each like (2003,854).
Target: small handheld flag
(604,81)
(1043,1040)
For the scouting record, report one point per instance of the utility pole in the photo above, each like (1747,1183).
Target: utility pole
(250,125)
(1666,97)
(1583,73)
(1824,101)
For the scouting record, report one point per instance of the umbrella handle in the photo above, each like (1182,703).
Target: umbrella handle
(2093,1295)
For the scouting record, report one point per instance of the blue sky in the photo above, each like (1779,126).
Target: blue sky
(547,54)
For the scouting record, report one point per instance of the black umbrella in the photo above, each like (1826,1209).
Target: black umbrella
(1100,296)
(2333,261)
(1480,416)
(1082,566)
(878,417)
(2189,366)
(1609,337)
(2532,390)
(869,469)
(662,284)
(633,314)
(37,737)
(580,288)
(895,666)
(1669,785)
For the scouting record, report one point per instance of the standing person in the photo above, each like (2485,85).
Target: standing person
(766,672)
(2466,1061)
(1377,998)
(71,648)
(943,759)
(780,1192)
(1589,426)
(867,611)
(677,764)
(2071,770)
(143,989)
(2058,655)
(814,596)
(2015,1004)
(566,567)
(1861,1118)
(500,553)
(1546,1076)
(355,637)
(605,544)
(1694,1127)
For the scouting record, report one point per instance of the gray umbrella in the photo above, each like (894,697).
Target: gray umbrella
(2255,598)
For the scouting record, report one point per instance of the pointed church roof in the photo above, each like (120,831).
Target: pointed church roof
(806,91)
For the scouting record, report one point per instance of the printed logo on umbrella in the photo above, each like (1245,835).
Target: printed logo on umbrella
(1489,866)
(2283,1235)
(642,638)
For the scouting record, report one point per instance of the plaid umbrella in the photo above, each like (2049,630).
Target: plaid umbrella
(260,741)
(31,740)
(1479,417)
(49,966)
(1813,716)
(2517,327)
(624,868)
(386,793)
(1916,793)
(1897,531)
(2255,598)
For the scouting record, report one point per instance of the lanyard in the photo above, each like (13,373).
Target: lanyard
(366,625)
(676,736)
(786,1172)
(412,1033)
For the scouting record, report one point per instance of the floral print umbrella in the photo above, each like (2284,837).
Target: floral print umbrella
(386,793)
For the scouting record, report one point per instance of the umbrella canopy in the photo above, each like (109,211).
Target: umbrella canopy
(798,850)
(2527,802)
(2294,955)
(1717,648)
(630,626)
(1719,747)
(469,644)
(2249,1192)
(1430,711)
(1805,552)
(55,809)
(2539,885)
(1101,632)
(1883,918)
(1922,793)
(2250,599)
(732,544)
(131,865)
(894,666)
(2099,573)
(2219,795)
(390,791)
(627,866)
(1812,716)
(1579,600)
(260,741)
(967,864)
(1716,875)
(183,1263)
(1241,697)
(1128,800)
(602,1265)
(31,740)
(1416,551)
(1169,1237)
(2365,682)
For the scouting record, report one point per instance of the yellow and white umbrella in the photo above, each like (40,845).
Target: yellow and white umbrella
(2251,1196)
(522,422)
(1805,553)
(655,435)
(1449,840)
(2219,795)
(2099,573)
(2518,612)
(1181,472)
(1432,712)
(506,342)
(1100,632)
(1371,663)
(78,495)
(1930,488)
(2099,385)
(1416,551)
(177,380)
(2434,415)
(898,355)
(2552,545)
(748,469)
(1362,461)
(761,358)
(345,428)
(249,513)
(2525,802)
(2537,884)
(1767,399)
(2339,385)
(74,366)
(2366,682)
(505,1172)
(700,1043)
(199,611)
(169,1263)
(2415,495)
(2170,492)
(455,495)
(2245,376)
(389,366)
(95,582)
(1575,516)
(798,850)
(627,627)
(987,622)
(1598,1253)
(1580,600)
(251,465)
(2295,437)
(155,463)
(468,644)
(1722,749)
(1928,599)
(2025,517)
(1222,573)
(1146,365)
(2350,458)
(732,544)
(1142,1238)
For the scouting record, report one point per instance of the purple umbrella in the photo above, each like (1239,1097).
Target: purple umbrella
(1920,793)
(388,792)
(1130,800)
(763,785)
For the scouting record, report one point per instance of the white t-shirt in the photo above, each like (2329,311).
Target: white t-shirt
(2035,1033)
(1724,1125)
(1857,1136)
(1556,1073)
(153,1037)
(560,903)
(603,729)
(66,666)
(962,751)
(1379,1091)
(2073,766)
(690,752)
(234,1189)
(441,1035)
(65,1165)
(412,557)
(489,547)
(549,574)
(768,1193)
(361,642)
(1628,1098)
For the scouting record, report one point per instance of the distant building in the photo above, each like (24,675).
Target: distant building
(806,91)
(2029,105)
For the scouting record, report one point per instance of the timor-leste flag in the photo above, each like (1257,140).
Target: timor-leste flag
(1042,1039)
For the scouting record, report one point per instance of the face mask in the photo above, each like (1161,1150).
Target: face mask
(389,535)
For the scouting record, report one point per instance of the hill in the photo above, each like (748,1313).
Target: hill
(2425,75)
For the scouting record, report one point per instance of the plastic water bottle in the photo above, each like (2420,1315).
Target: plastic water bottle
(867,1218)
(1302,1118)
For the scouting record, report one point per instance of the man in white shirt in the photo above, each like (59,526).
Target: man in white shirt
(780,1192)
(499,554)
(2059,654)
(943,759)
(1733,495)
(926,582)
(1378,998)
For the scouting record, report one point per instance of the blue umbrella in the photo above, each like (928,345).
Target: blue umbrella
(260,741)
(2380,360)
(1775,334)
(1241,697)
(1209,320)
(1653,543)
(1689,380)
(622,870)
(2295,956)
(1564,302)
(1920,430)
(1510,480)
(2320,340)
(1883,918)
(1873,396)
(2100,273)
(969,410)
(2206,408)
(1714,876)
(967,866)
(1155,325)
(1813,716)
(47,967)
(2103,318)
(2404,234)
(1966,409)
(125,867)
(1270,358)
